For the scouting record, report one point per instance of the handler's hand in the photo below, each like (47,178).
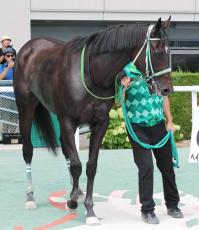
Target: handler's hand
(126,81)
(170,126)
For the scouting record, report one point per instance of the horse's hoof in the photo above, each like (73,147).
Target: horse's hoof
(71,205)
(92,220)
(30,205)
(71,211)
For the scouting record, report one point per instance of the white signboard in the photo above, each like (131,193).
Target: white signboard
(194,148)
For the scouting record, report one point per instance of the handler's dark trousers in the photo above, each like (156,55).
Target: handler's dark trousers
(143,159)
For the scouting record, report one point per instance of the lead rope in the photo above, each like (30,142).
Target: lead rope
(169,134)
(119,97)
(160,144)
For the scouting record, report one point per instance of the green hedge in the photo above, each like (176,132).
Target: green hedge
(181,101)
(116,136)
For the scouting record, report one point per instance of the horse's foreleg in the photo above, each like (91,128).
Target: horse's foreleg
(97,133)
(80,192)
(67,134)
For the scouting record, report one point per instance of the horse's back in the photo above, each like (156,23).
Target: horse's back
(35,46)
(38,48)
(41,43)
(43,66)
(30,60)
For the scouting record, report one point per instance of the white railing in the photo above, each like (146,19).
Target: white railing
(194,90)
(6,89)
(194,147)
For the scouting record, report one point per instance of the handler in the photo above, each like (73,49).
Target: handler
(150,118)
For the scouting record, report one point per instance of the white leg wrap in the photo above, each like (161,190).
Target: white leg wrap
(29,178)
(92,221)
(30,205)
(68,165)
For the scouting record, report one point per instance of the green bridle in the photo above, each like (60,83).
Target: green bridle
(149,66)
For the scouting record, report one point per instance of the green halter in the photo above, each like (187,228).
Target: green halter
(83,78)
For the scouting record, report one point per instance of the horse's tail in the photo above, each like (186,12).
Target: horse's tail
(45,128)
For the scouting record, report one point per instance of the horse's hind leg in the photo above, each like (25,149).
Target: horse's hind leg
(26,115)
(67,133)
(81,196)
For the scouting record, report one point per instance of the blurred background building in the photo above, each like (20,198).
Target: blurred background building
(65,19)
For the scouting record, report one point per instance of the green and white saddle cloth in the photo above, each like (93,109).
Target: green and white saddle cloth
(142,107)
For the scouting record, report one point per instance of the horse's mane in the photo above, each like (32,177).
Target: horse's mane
(113,38)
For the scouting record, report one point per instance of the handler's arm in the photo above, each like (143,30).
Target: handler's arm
(168,115)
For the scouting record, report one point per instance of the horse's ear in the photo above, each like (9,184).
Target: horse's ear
(158,25)
(165,25)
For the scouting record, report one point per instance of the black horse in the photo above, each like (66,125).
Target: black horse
(47,78)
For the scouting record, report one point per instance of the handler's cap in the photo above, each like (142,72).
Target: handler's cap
(131,70)
(5,37)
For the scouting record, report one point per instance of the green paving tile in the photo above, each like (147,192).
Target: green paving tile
(116,171)
(192,223)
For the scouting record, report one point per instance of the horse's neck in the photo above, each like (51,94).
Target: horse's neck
(104,67)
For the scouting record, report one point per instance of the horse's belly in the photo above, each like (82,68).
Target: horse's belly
(92,113)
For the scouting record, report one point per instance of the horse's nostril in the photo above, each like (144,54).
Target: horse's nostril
(167,91)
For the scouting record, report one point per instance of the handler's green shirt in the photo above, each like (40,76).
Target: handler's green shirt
(142,108)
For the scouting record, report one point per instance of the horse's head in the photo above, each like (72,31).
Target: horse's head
(157,58)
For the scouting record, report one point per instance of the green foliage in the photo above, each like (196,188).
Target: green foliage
(181,101)
(116,136)
(179,136)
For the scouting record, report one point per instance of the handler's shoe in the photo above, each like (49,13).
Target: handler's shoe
(175,212)
(150,218)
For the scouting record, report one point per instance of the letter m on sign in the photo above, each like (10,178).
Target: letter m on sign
(194,157)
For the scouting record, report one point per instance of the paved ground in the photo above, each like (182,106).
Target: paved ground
(115,199)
